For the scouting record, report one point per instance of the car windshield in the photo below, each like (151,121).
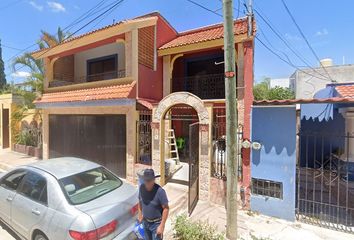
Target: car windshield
(87,186)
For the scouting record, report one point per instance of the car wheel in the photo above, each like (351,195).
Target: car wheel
(40,236)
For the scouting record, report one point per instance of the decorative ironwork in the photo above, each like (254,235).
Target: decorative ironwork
(325,180)
(144,138)
(267,188)
(219,144)
(211,86)
(60,79)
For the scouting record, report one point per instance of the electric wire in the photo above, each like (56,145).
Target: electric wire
(304,37)
(82,27)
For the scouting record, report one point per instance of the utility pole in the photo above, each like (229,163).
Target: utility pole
(231,120)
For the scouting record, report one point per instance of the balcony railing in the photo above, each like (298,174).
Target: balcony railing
(211,86)
(68,79)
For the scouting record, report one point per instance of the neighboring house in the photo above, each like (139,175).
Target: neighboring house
(308,81)
(124,94)
(8,104)
(314,160)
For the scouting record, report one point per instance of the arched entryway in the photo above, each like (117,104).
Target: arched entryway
(198,128)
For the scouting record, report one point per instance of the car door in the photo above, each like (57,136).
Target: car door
(8,186)
(29,206)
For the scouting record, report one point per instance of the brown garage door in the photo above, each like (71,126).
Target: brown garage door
(98,138)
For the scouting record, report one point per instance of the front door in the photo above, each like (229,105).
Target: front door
(193,166)
(5,128)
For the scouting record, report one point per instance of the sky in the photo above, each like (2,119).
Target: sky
(327,25)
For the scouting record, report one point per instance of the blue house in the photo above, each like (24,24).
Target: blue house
(305,168)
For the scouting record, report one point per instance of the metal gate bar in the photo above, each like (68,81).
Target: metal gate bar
(325,181)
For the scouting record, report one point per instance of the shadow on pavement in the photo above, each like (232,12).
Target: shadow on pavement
(9,231)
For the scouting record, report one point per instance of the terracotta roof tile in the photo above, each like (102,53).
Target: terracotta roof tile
(204,34)
(91,94)
(303,101)
(94,31)
(345,91)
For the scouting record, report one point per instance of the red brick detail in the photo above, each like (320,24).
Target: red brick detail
(155,125)
(91,94)
(204,127)
(146,46)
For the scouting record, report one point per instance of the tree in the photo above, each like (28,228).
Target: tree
(263,91)
(2,71)
(35,66)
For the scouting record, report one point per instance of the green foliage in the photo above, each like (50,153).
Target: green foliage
(262,91)
(2,71)
(185,229)
(36,66)
(26,138)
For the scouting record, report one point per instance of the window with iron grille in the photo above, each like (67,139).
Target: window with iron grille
(267,188)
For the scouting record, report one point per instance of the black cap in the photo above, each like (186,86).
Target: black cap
(149,174)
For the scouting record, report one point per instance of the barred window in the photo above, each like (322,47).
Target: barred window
(267,188)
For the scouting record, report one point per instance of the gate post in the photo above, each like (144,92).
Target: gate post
(204,163)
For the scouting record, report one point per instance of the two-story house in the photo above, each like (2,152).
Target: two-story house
(138,94)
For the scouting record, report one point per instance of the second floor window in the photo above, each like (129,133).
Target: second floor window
(102,68)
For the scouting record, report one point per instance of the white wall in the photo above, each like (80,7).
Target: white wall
(280,82)
(106,50)
(307,85)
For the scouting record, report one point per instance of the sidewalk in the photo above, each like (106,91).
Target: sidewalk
(10,159)
(252,226)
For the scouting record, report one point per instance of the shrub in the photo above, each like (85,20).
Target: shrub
(185,229)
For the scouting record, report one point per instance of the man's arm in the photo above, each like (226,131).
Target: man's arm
(164,217)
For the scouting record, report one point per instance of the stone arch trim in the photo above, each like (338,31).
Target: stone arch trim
(181,98)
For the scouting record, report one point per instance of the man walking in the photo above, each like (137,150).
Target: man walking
(153,206)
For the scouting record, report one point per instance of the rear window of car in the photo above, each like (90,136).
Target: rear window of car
(87,186)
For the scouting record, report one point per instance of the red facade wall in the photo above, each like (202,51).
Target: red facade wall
(150,84)
(248,100)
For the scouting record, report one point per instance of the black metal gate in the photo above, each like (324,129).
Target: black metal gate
(144,138)
(325,180)
(193,194)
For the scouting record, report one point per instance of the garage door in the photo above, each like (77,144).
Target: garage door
(98,138)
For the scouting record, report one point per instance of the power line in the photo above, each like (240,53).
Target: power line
(75,22)
(287,44)
(304,37)
(288,62)
(9,47)
(205,8)
(284,60)
(68,37)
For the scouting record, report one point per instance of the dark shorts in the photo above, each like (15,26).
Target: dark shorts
(150,230)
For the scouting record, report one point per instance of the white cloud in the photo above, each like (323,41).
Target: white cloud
(322,32)
(291,37)
(56,7)
(36,5)
(20,74)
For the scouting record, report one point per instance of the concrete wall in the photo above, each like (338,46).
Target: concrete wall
(106,50)
(306,85)
(275,129)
